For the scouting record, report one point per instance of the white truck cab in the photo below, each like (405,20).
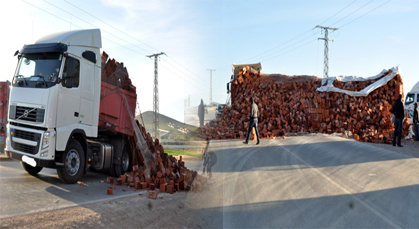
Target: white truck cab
(54,105)
(412,97)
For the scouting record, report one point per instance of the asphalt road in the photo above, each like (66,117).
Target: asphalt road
(310,182)
(21,193)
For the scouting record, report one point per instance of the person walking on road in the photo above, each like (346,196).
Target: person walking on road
(416,122)
(254,114)
(201,113)
(398,111)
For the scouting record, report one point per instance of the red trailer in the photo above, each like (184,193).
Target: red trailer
(113,115)
(4,102)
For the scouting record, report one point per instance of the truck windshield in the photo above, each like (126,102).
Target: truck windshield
(410,98)
(38,70)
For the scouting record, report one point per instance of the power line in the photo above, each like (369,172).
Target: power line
(352,12)
(162,64)
(110,25)
(185,68)
(290,50)
(337,12)
(184,73)
(118,30)
(365,13)
(51,14)
(96,26)
(109,40)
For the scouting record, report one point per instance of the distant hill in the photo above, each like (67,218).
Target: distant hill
(148,118)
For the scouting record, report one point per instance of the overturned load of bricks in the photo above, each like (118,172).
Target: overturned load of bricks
(115,73)
(291,104)
(152,168)
(164,172)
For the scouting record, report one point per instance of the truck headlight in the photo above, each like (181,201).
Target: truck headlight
(45,140)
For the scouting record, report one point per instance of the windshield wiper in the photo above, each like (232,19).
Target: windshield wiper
(42,77)
(23,78)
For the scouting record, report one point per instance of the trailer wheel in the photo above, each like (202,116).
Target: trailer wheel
(31,170)
(120,169)
(74,162)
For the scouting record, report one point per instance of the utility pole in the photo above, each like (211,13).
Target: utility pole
(326,49)
(210,92)
(156,95)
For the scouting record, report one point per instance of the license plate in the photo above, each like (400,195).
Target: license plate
(29,161)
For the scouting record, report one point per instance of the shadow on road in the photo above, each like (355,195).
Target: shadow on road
(396,207)
(284,154)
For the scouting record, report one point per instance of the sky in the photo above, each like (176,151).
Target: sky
(372,35)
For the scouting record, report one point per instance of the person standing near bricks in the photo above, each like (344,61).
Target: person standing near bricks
(398,111)
(254,114)
(201,113)
(416,122)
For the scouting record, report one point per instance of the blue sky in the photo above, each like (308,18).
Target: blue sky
(200,35)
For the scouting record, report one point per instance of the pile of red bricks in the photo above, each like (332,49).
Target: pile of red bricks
(115,73)
(291,104)
(163,172)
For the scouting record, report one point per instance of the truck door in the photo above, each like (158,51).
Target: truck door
(68,112)
(87,92)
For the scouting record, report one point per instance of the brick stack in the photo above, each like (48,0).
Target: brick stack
(292,104)
(164,172)
(115,73)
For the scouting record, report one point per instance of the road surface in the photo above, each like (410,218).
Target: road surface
(21,193)
(310,182)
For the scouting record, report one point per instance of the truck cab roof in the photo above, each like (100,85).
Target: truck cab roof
(86,37)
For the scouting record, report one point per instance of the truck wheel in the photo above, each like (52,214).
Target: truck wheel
(74,163)
(31,170)
(118,170)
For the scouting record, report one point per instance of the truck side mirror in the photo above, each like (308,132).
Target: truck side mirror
(67,82)
(17,52)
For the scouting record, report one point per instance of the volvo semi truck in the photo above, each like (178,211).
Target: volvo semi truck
(61,115)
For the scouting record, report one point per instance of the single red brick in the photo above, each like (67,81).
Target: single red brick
(152,186)
(135,168)
(137,185)
(110,191)
(169,189)
(119,181)
(143,185)
(163,187)
(172,183)
(110,180)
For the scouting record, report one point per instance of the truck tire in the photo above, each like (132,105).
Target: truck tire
(74,162)
(31,170)
(120,169)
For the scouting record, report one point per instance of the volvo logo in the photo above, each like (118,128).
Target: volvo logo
(25,114)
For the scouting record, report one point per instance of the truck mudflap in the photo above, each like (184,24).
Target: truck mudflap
(39,162)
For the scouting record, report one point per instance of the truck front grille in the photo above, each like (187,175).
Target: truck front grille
(22,134)
(27,114)
(24,148)
(27,135)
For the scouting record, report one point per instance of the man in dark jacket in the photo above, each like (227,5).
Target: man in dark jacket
(201,113)
(254,114)
(398,111)
(416,122)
